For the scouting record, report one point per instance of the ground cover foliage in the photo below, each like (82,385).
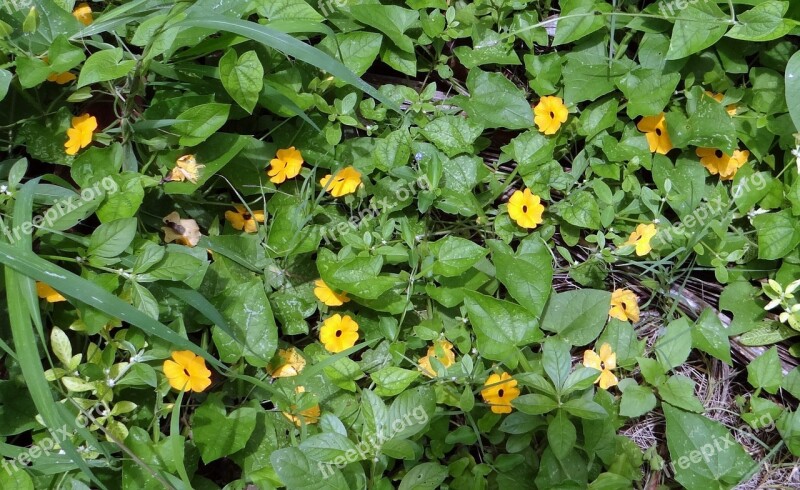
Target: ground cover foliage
(407,244)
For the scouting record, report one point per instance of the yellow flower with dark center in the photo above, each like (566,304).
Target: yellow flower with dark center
(83,12)
(338,333)
(80,134)
(605,362)
(290,363)
(61,78)
(286,165)
(624,305)
(346,181)
(327,295)
(721,163)
(641,238)
(499,391)
(307,416)
(442,350)
(655,130)
(187,371)
(183,231)
(242,219)
(731,109)
(549,114)
(186,168)
(49,294)
(526,209)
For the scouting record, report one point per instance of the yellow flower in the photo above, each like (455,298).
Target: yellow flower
(721,163)
(83,12)
(186,168)
(655,129)
(183,231)
(624,305)
(45,292)
(338,333)
(308,416)
(286,165)
(549,114)
(290,363)
(328,295)
(187,371)
(641,238)
(61,78)
(605,362)
(526,209)
(731,109)
(80,134)
(241,219)
(442,350)
(501,394)
(346,181)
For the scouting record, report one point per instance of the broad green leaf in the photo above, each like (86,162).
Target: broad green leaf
(496,101)
(104,66)
(704,454)
(391,20)
(358,276)
(678,390)
(765,371)
(793,88)
(674,345)
(453,134)
(393,380)
(198,123)
(778,234)
(111,239)
(577,316)
(218,433)
(697,27)
(534,404)
(764,22)
(328,446)
(424,476)
(526,276)
(710,336)
(242,77)
(456,255)
(636,400)
(297,471)
(500,326)
(648,90)
(561,434)
(585,409)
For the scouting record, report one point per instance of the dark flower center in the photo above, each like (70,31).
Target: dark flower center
(602,365)
(500,393)
(552,115)
(247,216)
(524,209)
(718,153)
(338,333)
(658,131)
(186,372)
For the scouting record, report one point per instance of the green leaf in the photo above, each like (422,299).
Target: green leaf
(561,434)
(242,77)
(648,90)
(391,20)
(580,21)
(581,209)
(765,371)
(5,82)
(424,476)
(704,454)
(636,400)
(556,361)
(64,56)
(792,79)
(198,123)
(534,404)
(527,276)
(111,239)
(104,66)
(297,472)
(585,409)
(496,101)
(698,26)
(358,49)
(710,336)
(678,390)
(393,380)
(577,316)
(778,234)
(764,22)
(218,433)
(453,134)
(358,276)
(327,447)
(285,44)
(674,345)
(500,326)
(529,150)
(456,255)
